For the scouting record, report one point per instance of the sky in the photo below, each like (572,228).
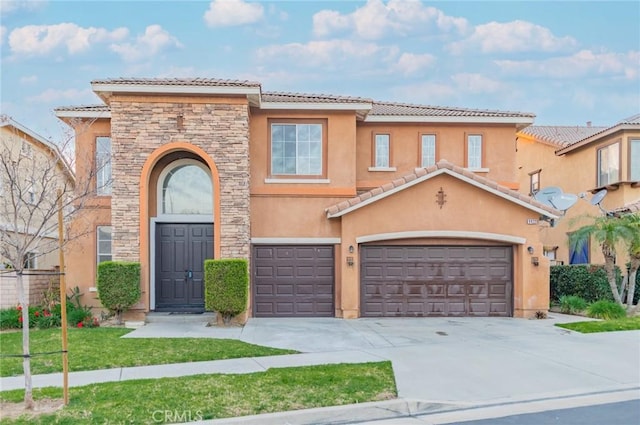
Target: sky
(568,62)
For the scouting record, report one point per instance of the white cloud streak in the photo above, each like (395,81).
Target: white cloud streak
(56,95)
(225,13)
(411,63)
(154,40)
(39,40)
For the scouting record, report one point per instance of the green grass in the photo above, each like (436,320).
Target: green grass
(216,396)
(625,324)
(102,348)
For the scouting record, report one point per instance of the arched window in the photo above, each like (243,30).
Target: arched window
(184,188)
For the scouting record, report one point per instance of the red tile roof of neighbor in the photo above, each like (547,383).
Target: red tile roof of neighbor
(630,208)
(408,180)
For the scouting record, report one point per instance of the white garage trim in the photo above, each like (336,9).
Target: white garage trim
(453,234)
(296,241)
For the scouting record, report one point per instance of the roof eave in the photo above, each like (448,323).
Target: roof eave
(520,121)
(82,114)
(597,136)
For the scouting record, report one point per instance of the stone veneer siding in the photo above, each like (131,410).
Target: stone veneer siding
(221,130)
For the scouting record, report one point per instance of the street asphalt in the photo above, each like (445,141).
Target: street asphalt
(447,369)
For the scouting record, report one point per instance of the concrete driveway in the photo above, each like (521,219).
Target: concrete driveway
(471,361)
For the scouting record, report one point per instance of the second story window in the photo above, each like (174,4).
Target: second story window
(474,151)
(103,245)
(609,164)
(428,150)
(634,160)
(296,149)
(26,149)
(103,165)
(534,182)
(381,154)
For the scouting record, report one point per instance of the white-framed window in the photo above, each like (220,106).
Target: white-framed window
(296,149)
(474,151)
(103,165)
(634,160)
(26,149)
(609,164)
(29,260)
(428,150)
(30,191)
(382,151)
(103,244)
(185,188)
(534,181)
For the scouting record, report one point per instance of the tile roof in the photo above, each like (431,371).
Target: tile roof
(310,98)
(211,82)
(633,207)
(632,120)
(84,108)
(406,109)
(409,179)
(561,136)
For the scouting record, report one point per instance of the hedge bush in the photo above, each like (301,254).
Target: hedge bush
(118,285)
(585,281)
(572,304)
(226,286)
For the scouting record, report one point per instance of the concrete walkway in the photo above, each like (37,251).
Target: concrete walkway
(440,364)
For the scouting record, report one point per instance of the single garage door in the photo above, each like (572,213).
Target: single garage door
(293,281)
(436,281)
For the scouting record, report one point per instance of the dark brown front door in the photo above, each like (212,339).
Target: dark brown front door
(180,253)
(436,281)
(293,280)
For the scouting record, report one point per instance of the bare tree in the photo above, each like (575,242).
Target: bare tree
(35,182)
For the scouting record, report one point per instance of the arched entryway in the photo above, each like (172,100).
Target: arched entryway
(181,206)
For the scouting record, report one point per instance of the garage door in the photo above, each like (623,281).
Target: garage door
(436,281)
(293,280)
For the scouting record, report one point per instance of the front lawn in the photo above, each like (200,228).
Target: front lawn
(624,324)
(166,400)
(102,348)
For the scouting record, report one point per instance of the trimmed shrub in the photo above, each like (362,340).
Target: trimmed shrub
(118,285)
(226,286)
(588,282)
(571,304)
(606,310)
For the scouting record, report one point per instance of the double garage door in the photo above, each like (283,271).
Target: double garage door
(299,281)
(436,281)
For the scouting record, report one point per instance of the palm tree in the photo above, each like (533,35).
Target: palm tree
(608,232)
(633,220)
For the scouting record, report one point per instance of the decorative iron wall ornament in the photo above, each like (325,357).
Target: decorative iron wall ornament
(441,197)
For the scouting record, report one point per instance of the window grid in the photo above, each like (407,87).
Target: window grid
(534,182)
(428,150)
(474,151)
(609,164)
(296,149)
(103,165)
(29,260)
(103,244)
(382,157)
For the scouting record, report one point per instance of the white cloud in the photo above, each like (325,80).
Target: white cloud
(224,13)
(376,19)
(10,6)
(516,36)
(328,52)
(28,79)
(411,63)
(55,95)
(580,64)
(33,40)
(154,39)
(477,84)
(3,32)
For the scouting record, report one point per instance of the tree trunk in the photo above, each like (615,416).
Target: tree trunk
(633,271)
(609,267)
(26,359)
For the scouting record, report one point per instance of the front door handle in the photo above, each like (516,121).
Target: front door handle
(189,274)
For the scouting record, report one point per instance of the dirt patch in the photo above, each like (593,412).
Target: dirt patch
(42,407)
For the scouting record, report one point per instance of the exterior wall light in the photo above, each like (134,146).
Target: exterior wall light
(350,249)
(534,261)
(530,249)
(350,261)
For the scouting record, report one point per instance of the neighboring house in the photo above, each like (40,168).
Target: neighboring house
(344,206)
(27,161)
(582,160)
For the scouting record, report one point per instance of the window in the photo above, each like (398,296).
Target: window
(428,150)
(634,160)
(296,149)
(534,182)
(474,151)
(186,188)
(29,260)
(26,149)
(31,192)
(381,157)
(103,165)
(103,248)
(609,164)
(579,251)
